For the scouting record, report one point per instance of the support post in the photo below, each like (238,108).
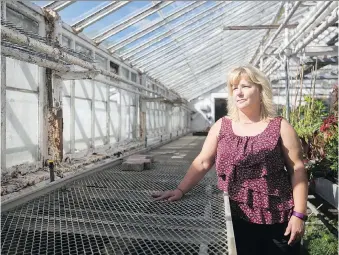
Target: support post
(142,114)
(54,99)
(261,57)
(287,53)
(72,117)
(3,101)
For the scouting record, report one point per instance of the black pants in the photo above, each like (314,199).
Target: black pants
(252,239)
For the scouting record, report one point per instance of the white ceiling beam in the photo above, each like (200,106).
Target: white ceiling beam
(329,21)
(180,75)
(208,39)
(196,95)
(98,15)
(174,30)
(182,85)
(321,51)
(310,22)
(283,25)
(135,36)
(130,21)
(203,29)
(58,5)
(187,34)
(205,66)
(197,37)
(257,27)
(236,36)
(231,63)
(170,60)
(191,86)
(212,21)
(230,58)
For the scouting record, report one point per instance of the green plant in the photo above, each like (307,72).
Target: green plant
(318,240)
(307,119)
(317,128)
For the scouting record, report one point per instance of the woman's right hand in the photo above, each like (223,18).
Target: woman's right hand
(169,195)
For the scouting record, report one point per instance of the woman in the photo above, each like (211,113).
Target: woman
(259,164)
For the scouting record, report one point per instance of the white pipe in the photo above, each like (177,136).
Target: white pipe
(309,22)
(23,56)
(288,17)
(321,17)
(320,29)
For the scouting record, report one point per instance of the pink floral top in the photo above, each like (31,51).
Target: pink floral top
(251,170)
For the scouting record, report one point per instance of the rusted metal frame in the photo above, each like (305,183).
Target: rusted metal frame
(54,109)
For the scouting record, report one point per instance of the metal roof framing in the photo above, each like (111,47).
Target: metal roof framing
(192,54)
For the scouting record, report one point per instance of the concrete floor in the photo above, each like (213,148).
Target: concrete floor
(112,212)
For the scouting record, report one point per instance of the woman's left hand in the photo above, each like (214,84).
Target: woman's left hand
(296,228)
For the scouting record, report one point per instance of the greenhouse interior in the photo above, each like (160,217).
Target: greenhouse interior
(105,102)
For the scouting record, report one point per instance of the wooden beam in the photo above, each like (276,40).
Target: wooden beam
(258,27)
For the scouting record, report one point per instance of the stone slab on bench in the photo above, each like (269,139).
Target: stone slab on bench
(136,164)
(141,156)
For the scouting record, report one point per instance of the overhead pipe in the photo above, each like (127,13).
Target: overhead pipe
(310,21)
(320,29)
(318,13)
(23,56)
(15,37)
(286,20)
(40,61)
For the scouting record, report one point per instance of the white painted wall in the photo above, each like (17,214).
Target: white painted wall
(22,112)
(91,118)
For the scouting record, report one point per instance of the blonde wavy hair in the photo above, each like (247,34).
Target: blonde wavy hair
(258,78)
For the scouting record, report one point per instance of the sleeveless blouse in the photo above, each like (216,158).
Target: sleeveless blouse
(251,170)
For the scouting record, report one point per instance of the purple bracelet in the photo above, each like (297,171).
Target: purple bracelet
(300,215)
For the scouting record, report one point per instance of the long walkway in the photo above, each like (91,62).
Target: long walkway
(112,212)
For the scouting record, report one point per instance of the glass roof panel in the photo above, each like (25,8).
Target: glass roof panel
(78,9)
(41,3)
(117,17)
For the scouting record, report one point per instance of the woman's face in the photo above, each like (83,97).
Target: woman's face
(246,95)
